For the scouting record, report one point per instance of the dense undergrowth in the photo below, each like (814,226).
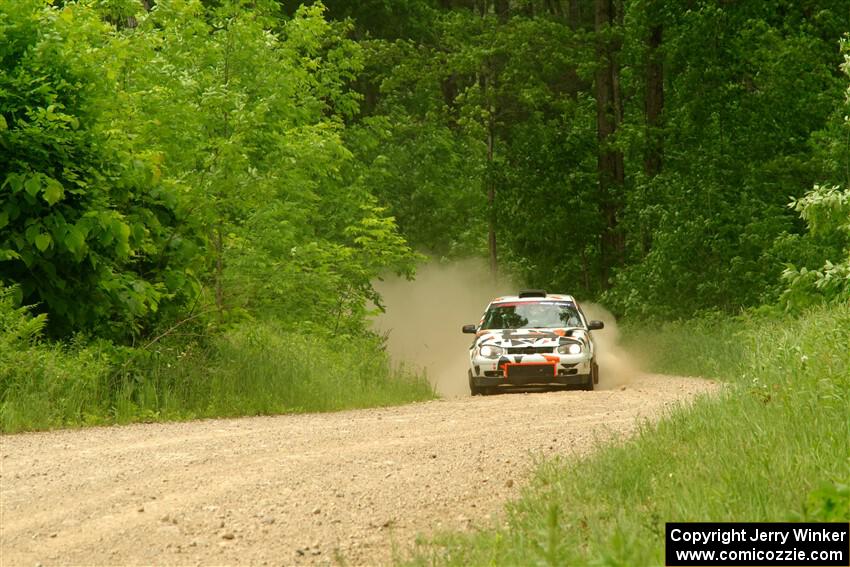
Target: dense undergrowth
(772,446)
(253,368)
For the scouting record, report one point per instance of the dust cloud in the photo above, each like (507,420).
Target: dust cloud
(617,367)
(424,317)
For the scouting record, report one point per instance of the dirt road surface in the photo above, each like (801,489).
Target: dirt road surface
(346,487)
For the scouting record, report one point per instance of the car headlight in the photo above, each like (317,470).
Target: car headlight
(572,348)
(490,351)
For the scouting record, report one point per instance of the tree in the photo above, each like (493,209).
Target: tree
(826,211)
(83,214)
(250,114)
(609,115)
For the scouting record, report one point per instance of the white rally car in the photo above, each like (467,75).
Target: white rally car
(532,339)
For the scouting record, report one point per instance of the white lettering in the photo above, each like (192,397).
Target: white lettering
(777,536)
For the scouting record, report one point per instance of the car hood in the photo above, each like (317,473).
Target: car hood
(530,337)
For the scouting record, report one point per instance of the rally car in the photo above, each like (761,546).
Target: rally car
(532,339)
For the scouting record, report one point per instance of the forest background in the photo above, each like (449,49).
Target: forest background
(197,196)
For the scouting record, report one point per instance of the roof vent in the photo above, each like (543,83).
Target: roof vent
(532,293)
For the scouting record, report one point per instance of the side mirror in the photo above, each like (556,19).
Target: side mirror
(470,329)
(595,325)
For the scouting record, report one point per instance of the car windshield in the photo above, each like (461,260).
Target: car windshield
(531,315)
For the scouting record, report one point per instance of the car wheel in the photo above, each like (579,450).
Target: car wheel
(473,389)
(593,379)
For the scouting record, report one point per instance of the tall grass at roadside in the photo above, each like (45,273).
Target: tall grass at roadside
(252,369)
(709,347)
(260,369)
(774,445)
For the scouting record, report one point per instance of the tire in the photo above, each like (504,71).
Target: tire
(593,379)
(473,389)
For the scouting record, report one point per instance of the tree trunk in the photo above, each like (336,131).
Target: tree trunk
(488,84)
(485,83)
(132,22)
(491,201)
(609,160)
(654,103)
(448,86)
(654,149)
(503,9)
(218,243)
(483,7)
(574,14)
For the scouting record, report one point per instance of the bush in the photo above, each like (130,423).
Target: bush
(258,368)
(45,385)
(251,369)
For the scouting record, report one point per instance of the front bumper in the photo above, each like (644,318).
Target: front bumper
(523,370)
(563,380)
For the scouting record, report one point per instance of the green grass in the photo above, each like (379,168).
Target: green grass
(253,369)
(774,446)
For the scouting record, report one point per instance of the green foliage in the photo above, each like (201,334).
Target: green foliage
(417,167)
(377,18)
(159,166)
(826,211)
(214,154)
(250,370)
(434,102)
(190,154)
(250,119)
(410,152)
(20,329)
(827,503)
(691,348)
(740,134)
(264,369)
(43,384)
(752,100)
(82,213)
(210,163)
(772,446)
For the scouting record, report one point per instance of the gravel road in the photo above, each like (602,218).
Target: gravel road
(350,487)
